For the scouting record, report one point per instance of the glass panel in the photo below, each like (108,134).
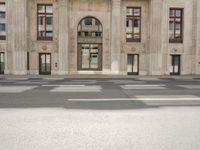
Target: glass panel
(1,57)
(41,8)
(136,11)
(136,26)
(2,7)
(94,56)
(43,63)
(88,21)
(49,19)
(41,25)
(2,67)
(135,63)
(85,64)
(48,63)
(171,25)
(129,11)
(49,9)
(175,64)
(129,36)
(178,13)
(2,16)
(129,63)
(171,13)
(171,28)
(49,26)
(129,27)
(2,27)
(94,60)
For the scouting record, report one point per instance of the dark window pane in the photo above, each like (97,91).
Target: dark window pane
(88,21)
(49,20)
(2,27)
(2,15)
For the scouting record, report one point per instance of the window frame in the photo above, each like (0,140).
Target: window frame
(45,22)
(133,18)
(3,37)
(174,17)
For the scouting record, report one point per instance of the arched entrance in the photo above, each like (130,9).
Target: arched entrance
(89,44)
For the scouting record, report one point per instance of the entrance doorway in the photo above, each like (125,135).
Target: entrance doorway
(89,57)
(175,65)
(2,63)
(89,47)
(133,64)
(44,63)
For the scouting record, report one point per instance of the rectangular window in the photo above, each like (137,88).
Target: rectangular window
(45,22)
(2,21)
(133,24)
(176,25)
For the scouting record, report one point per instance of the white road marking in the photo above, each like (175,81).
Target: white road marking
(30,82)
(77,89)
(62,85)
(141,87)
(81,82)
(148,98)
(149,79)
(146,85)
(126,81)
(84,80)
(190,86)
(15,89)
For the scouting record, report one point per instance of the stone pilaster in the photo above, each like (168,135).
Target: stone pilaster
(115,36)
(17,35)
(63,37)
(197,36)
(155,59)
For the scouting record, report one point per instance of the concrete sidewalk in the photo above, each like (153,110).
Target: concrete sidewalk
(61,77)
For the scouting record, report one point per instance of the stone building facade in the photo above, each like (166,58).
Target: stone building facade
(145,37)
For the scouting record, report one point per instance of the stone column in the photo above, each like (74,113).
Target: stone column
(17,35)
(63,38)
(115,36)
(155,47)
(197,36)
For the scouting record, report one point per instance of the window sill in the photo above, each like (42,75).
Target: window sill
(179,41)
(133,40)
(45,39)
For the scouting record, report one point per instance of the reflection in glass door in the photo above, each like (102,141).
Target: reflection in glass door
(175,65)
(2,63)
(133,64)
(90,57)
(45,63)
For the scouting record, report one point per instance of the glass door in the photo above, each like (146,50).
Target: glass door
(2,63)
(175,65)
(94,54)
(133,64)
(89,58)
(44,63)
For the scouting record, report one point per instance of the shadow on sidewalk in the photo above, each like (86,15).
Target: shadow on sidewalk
(104,104)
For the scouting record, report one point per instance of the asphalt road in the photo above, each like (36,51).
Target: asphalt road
(102,114)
